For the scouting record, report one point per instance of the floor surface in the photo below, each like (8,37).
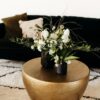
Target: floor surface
(7,93)
(12,88)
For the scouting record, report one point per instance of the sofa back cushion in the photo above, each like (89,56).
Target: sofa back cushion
(12,25)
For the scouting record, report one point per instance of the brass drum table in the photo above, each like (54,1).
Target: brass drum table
(46,85)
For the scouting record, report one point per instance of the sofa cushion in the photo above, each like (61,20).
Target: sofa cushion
(13,51)
(29,28)
(12,26)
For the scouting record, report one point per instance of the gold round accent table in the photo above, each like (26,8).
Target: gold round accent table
(46,85)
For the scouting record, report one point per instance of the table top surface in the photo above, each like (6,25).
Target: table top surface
(76,71)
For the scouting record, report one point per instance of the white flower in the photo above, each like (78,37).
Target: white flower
(39,48)
(51,51)
(56,59)
(56,65)
(65,36)
(40,45)
(45,34)
(54,36)
(41,42)
(61,46)
(53,28)
(57,32)
(32,47)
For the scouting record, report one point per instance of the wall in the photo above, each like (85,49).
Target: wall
(85,8)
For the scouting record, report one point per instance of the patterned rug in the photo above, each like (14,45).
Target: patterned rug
(11,73)
(11,76)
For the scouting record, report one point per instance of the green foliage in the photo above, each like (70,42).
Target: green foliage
(23,41)
(71,58)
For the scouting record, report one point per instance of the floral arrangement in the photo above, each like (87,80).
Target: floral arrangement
(58,44)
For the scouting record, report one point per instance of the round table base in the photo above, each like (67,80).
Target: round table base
(43,86)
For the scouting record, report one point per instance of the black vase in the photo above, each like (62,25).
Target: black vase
(46,61)
(61,69)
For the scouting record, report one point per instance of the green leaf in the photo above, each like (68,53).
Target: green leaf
(84,47)
(71,58)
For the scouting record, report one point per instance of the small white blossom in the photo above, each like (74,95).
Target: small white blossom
(39,48)
(54,36)
(56,59)
(56,65)
(51,51)
(41,42)
(65,36)
(32,47)
(53,28)
(40,45)
(61,46)
(45,34)
(57,32)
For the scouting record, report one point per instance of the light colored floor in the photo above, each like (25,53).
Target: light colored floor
(11,76)
(7,93)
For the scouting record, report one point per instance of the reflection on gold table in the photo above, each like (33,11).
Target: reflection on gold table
(46,85)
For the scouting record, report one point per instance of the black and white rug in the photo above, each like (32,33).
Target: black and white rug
(11,76)
(11,73)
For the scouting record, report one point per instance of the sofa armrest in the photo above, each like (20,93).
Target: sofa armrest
(2,30)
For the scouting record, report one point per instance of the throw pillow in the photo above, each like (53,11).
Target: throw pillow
(12,26)
(29,28)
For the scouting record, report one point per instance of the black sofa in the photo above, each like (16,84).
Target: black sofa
(85,28)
